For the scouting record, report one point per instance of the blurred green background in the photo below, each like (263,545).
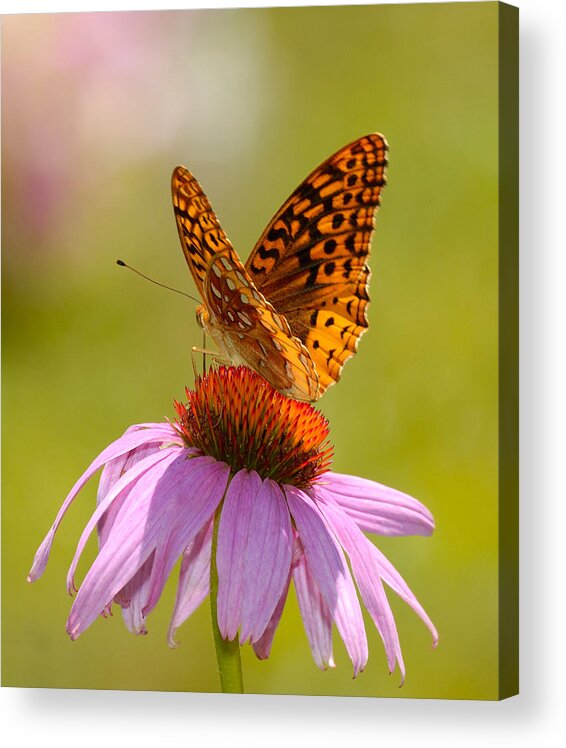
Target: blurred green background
(97,110)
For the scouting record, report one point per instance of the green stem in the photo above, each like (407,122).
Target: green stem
(227,652)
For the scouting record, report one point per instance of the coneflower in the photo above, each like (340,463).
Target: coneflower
(239,486)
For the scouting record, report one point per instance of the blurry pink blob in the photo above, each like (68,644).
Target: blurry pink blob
(82,98)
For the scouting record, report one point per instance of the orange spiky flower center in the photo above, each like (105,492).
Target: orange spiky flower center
(234,415)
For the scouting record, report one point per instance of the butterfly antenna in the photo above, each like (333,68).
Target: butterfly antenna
(157,283)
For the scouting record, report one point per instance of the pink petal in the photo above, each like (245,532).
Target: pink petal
(194,580)
(386,570)
(367,576)
(114,469)
(136,532)
(262,646)
(391,576)
(125,551)
(330,571)
(267,559)
(315,614)
(377,508)
(233,533)
(124,444)
(375,560)
(111,473)
(132,597)
(191,504)
(119,491)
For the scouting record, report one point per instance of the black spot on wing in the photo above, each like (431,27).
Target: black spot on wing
(304,258)
(268,254)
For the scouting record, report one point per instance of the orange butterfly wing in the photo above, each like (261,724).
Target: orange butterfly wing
(266,344)
(247,327)
(199,229)
(310,261)
(297,309)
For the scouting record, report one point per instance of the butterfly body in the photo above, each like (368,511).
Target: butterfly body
(298,307)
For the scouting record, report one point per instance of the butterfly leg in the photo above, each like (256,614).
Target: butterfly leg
(215,356)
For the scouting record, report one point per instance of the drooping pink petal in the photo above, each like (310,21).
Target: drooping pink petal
(391,576)
(314,612)
(377,508)
(367,576)
(125,551)
(114,469)
(124,444)
(262,646)
(132,597)
(267,559)
(379,563)
(111,473)
(191,505)
(194,580)
(330,571)
(136,532)
(233,533)
(119,492)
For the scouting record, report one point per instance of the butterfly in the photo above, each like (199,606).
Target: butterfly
(296,310)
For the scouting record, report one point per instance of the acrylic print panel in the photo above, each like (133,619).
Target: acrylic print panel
(98,110)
